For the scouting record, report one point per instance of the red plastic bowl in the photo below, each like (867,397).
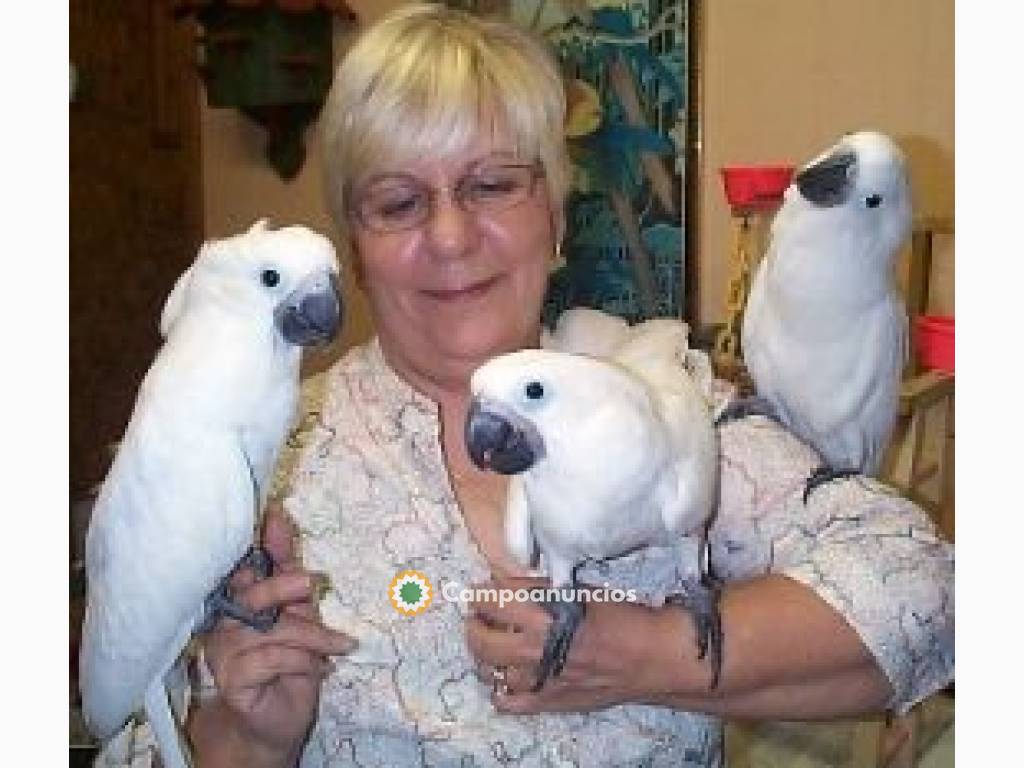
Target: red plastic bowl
(756,186)
(935,341)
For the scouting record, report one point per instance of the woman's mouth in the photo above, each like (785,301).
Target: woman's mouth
(471,291)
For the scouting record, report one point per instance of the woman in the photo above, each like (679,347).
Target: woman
(447,174)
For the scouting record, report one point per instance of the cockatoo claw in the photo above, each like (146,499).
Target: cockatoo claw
(742,407)
(701,600)
(566,615)
(221,603)
(825,474)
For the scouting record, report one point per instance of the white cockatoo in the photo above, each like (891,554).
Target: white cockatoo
(825,329)
(178,509)
(608,454)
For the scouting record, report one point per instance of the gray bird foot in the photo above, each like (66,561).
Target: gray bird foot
(220,601)
(701,600)
(742,407)
(566,618)
(825,474)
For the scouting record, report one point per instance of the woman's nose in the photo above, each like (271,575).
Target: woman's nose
(450,230)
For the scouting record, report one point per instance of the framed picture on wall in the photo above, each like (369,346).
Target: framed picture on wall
(626,66)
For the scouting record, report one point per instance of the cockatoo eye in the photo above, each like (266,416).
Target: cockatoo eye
(873,201)
(270,277)
(535,390)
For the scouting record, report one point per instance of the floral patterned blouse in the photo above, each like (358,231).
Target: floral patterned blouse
(365,479)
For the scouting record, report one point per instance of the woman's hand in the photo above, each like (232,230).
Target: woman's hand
(622,652)
(268,683)
(788,655)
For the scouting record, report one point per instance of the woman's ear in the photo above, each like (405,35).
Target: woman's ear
(356,263)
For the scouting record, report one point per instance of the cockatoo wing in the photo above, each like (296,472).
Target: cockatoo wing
(656,353)
(518,530)
(585,331)
(853,428)
(836,392)
(174,515)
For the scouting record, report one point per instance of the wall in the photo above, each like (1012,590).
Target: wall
(239,186)
(782,80)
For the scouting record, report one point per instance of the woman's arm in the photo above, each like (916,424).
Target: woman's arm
(786,655)
(836,607)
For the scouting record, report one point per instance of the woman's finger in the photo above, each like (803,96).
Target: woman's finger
(516,616)
(519,614)
(279,537)
(279,590)
(500,646)
(261,665)
(303,602)
(523,702)
(297,632)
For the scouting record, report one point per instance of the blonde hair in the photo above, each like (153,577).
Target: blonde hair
(425,81)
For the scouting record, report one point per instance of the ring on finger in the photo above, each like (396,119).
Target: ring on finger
(499,680)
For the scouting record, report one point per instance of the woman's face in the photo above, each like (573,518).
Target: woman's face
(462,285)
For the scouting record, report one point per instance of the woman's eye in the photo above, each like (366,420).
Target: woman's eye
(397,206)
(497,188)
(491,187)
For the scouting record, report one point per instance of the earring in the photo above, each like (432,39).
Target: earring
(557,261)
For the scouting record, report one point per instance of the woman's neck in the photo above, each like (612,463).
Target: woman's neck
(445,380)
(481,495)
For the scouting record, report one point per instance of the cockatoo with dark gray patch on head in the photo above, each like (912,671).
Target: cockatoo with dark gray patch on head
(825,329)
(608,456)
(178,508)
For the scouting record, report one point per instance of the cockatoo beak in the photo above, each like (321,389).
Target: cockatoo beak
(501,441)
(312,313)
(828,181)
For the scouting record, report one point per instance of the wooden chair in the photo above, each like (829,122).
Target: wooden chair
(891,742)
(923,391)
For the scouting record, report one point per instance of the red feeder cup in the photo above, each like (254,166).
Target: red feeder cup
(756,187)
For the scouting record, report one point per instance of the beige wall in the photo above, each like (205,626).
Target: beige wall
(784,78)
(239,186)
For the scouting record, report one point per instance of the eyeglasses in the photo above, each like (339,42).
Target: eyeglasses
(399,202)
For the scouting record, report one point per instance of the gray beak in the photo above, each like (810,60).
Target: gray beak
(499,441)
(312,313)
(829,181)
